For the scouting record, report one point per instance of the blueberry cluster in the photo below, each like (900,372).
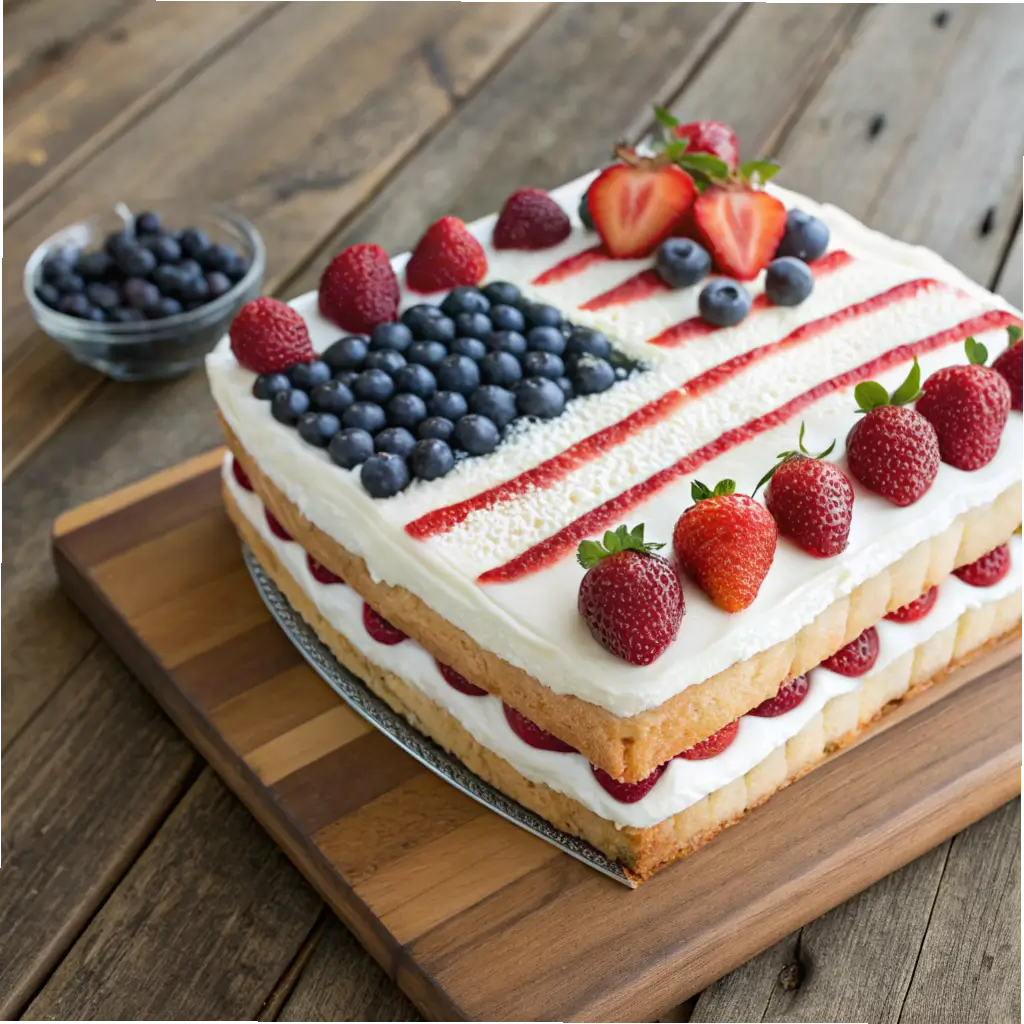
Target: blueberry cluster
(440,384)
(144,272)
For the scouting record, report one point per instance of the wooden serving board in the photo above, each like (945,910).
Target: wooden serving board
(475,918)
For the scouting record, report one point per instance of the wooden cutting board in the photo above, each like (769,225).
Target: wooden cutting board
(475,918)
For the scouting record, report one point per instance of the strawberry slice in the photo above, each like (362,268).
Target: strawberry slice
(637,204)
(740,226)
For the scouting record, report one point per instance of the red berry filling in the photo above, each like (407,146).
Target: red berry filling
(240,475)
(790,695)
(917,609)
(533,735)
(628,792)
(988,570)
(275,527)
(380,629)
(457,682)
(320,572)
(857,657)
(713,745)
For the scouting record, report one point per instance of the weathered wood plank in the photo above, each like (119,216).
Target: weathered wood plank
(1011,277)
(969,965)
(213,888)
(104,84)
(77,813)
(745,993)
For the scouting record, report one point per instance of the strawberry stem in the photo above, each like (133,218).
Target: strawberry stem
(701,492)
(590,552)
(799,453)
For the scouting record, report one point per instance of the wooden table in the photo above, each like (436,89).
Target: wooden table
(133,883)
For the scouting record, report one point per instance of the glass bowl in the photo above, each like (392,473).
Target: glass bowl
(150,349)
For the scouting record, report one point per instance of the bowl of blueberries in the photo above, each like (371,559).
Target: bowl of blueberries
(144,296)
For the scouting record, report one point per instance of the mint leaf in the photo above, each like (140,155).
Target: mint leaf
(869,395)
(705,163)
(977,354)
(909,389)
(665,118)
(675,149)
(764,170)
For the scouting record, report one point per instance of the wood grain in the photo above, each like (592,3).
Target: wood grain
(1010,283)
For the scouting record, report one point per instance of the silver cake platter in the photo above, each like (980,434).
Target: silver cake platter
(364,702)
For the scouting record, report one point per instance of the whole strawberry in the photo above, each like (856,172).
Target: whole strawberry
(712,137)
(268,336)
(1008,366)
(968,406)
(810,499)
(446,256)
(631,598)
(726,542)
(359,289)
(892,450)
(531,219)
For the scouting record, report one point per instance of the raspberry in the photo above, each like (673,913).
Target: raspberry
(531,219)
(359,289)
(268,336)
(857,657)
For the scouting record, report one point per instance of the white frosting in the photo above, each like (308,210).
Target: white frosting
(532,623)
(683,782)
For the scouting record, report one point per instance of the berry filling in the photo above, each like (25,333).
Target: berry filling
(320,572)
(275,527)
(240,475)
(380,629)
(857,657)
(628,792)
(533,735)
(790,695)
(457,682)
(988,570)
(916,609)
(713,745)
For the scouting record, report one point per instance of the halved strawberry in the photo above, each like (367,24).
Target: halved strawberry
(637,204)
(740,226)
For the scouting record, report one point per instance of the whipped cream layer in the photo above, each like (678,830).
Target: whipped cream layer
(531,622)
(683,783)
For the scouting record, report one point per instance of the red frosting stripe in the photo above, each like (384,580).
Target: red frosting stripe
(571,266)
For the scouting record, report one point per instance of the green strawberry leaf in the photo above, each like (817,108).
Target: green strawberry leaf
(665,118)
(786,456)
(675,149)
(724,487)
(977,354)
(909,390)
(869,394)
(590,552)
(765,170)
(1015,333)
(700,492)
(706,164)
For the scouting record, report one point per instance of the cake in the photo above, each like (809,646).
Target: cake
(443,461)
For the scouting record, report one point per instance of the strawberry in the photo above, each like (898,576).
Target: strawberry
(893,449)
(916,609)
(321,573)
(726,542)
(268,336)
(446,256)
(380,629)
(628,792)
(240,475)
(359,289)
(740,226)
(531,219)
(968,407)
(988,570)
(712,137)
(790,695)
(459,682)
(1008,366)
(636,204)
(811,500)
(275,526)
(857,657)
(713,745)
(631,598)
(533,735)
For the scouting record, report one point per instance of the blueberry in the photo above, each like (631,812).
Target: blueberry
(501,368)
(567,389)
(75,305)
(406,411)
(266,385)
(436,426)
(164,307)
(102,295)
(350,448)
(396,440)
(546,339)
(540,397)
(506,341)
(48,295)
(147,223)
(190,268)
(307,376)
(119,241)
(168,279)
(365,416)
(723,302)
(346,377)
(96,314)
(459,373)
(431,458)
(415,379)
(217,257)
(347,353)
(472,347)
(135,262)
(502,293)
(416,316)
(805,237)
(288,406)
(449,404)
(507,318)
(332,397)
(681,262)
(194,289)
(473,325)
(93,266)
(587,341)
(394,336)
(69,284)
(140,294)
(384,475)
(439,329)
(543,364)
(584,211)
(238,269)
(476,434)
(787,282)
(538,314)
(465,299)
(59,262)
(373,386)
(385,359)
(217,284)
(496,403)
(126,315)
(193,242)
(592,375)
(317,428)
(426,353)
(163,247)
